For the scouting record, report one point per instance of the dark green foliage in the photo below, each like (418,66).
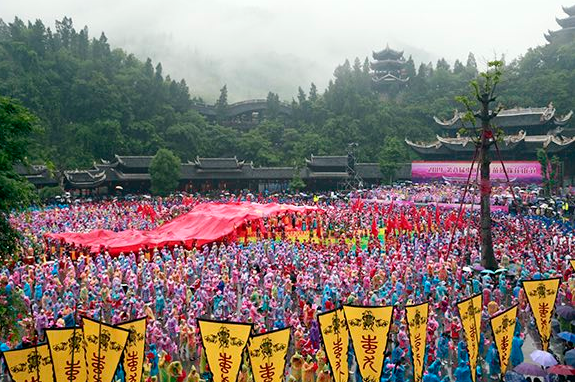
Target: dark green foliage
(549,168)
(392,156)
(165,172)
(48,193)
(94,102)
(16,126)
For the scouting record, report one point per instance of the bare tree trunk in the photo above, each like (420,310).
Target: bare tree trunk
(487,256)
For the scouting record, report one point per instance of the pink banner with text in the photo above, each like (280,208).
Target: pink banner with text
(518,171)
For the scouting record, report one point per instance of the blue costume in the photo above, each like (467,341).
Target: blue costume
(516,356)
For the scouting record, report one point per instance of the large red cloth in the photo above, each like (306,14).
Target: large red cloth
(206,223)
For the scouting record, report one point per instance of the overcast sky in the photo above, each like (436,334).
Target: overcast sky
(258,45)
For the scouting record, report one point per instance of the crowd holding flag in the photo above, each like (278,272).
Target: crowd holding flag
(370,313)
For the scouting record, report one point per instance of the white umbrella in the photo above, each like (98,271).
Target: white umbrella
(543,358)
(119,188)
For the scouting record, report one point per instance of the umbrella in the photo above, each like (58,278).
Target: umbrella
(478,267)
(570,357)
(562,370)
(530,369)
(543,358)
(569,337)
(487,272)
(119,188)
(467,269)
(566,312)
(501,270)
(512,376)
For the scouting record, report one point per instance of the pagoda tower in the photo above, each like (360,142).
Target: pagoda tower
(388,70)
(567,31)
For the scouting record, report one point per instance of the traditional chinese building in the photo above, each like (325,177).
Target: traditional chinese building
(567,32)
(388,69)
(525,131)
(131,174)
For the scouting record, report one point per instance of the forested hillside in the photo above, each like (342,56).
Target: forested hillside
(95,101)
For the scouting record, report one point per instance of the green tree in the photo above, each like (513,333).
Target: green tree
(392,156)
(222,104)
(16,125)
(549,170)
(165,172)
(483,95)
(296,183)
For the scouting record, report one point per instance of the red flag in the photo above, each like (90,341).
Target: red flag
(390,207)
(404,224)
(374,230)
(390,225)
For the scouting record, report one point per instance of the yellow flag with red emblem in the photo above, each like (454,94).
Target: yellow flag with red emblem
(105,345)
(68,354)
(541,295)
(416,316)
(503,327)
(336,341)
(369,328)
(224,344)
(29,365)
(133,360)
(470,313)
(268,353)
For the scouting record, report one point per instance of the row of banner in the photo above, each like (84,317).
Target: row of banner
(88,354)
(93,353)
(368,328)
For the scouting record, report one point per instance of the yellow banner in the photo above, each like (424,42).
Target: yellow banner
(268,354)
(104,347)
(336,341)
(29,365)
(133,360)
(369,328)
(503,327)
(572,262)
(417,325)
(68,354)
(470,313)
(224,344)
(541,295)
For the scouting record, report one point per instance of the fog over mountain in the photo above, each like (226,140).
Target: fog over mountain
(256,46)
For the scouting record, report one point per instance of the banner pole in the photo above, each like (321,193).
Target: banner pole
(35,342)
(71,377)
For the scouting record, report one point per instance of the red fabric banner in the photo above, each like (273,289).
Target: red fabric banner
(206,223)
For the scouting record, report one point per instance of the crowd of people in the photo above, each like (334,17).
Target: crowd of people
(381,247)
